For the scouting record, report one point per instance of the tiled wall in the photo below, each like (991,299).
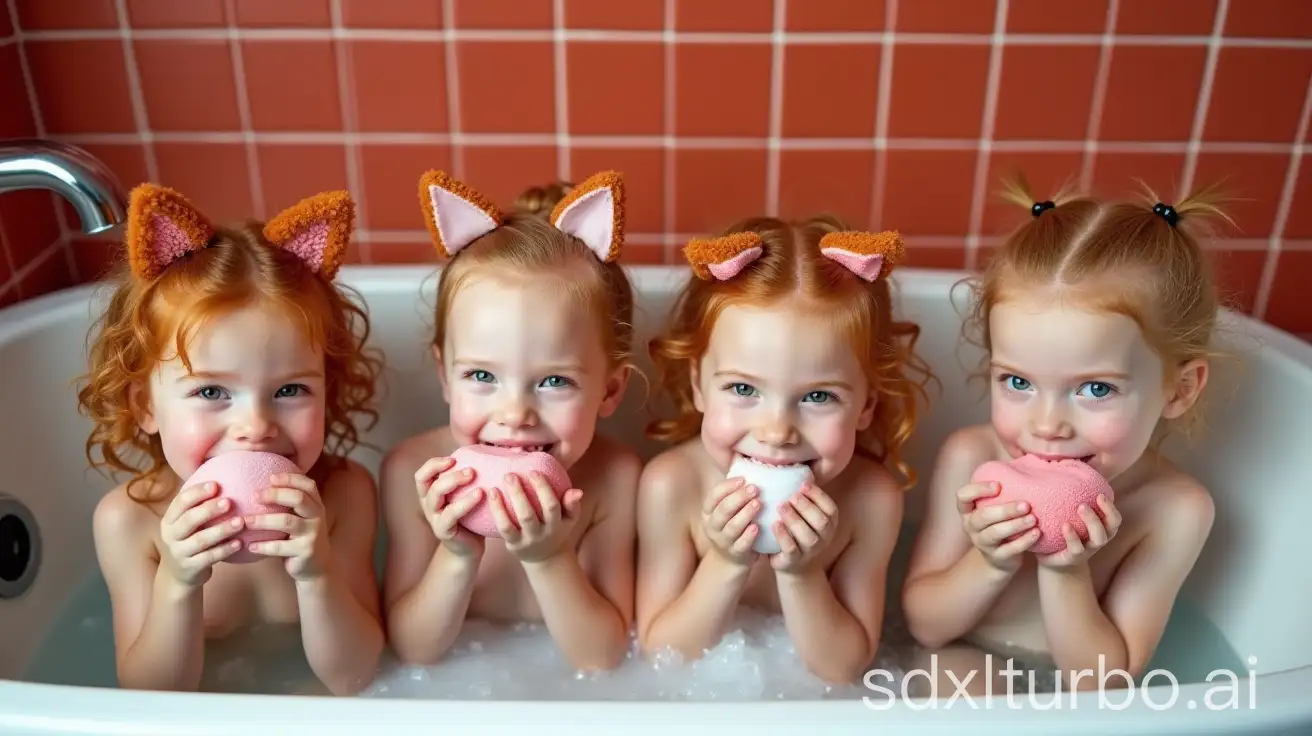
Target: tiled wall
(894,113)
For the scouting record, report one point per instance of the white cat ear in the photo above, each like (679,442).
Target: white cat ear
(594,213)
(456,214)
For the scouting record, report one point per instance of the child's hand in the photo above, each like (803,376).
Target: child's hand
(805,528)
(727,518)
(434,481)
(990,527)
(1100,534)
(536,538)
(306,547)
(189,554)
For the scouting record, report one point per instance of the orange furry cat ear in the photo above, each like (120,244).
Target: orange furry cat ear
(456,215)
(316,229)
(868,255)
(594,213)
(724,257)
(162,227)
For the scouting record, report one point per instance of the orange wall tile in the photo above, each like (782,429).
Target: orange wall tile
(891,113)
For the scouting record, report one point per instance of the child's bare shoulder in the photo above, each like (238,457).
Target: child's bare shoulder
(122,522)
(963,451)
(869,490)
(412,452)
(1175,502)
(349,483)
(675,477)
(614,465)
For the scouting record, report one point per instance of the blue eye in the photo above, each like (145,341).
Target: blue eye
(743,389)
(481,376)
(292,390)
(211,393)
(1098,389)
(555,382)
(819,397)
(1016,383)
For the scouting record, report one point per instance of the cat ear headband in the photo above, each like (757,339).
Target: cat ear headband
(868,255)
(163,227)
(457,215)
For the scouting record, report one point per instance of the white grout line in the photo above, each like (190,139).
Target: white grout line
(561,81)
(138,101)
(979,191)
(607,35)
(669,125)
(1204,101)
(1264,285)
(37,261)
(1096,105)
(883,106)
(254,178)
(351,126)
(776,121)
(452,85)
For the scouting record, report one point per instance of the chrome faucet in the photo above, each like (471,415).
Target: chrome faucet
(69,171)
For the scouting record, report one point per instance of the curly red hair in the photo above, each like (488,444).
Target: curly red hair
(791,265)
(148,318)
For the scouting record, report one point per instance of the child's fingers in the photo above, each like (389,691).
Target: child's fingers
(1017,546)
(971,492)
(814,516)
(732,505)
(981,518)
(743,544)
(718,493)
(739,521)
(195,518)
(1097,533)
(996,534)
(289,523)
(1112,517)
(188,498)
(520,505)
(820,499)
(447,481)
(799,528)
(501,517)
(215,554)
(546,496)
(304,505)
(429,470)
(206,538)
(787,545)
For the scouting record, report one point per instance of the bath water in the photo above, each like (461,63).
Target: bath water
(754,661)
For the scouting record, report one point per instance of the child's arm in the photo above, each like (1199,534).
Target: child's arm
(681,603)
(950,583)
(339,609)
(427,586)
(1126,628)
(586,596)
(835,620)
(158,612)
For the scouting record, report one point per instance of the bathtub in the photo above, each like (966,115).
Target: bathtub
(1253,583)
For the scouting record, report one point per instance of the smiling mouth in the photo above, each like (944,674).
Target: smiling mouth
(1086,459)
(775,463)
(519,446)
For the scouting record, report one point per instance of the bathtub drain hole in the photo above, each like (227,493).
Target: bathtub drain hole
(15,548)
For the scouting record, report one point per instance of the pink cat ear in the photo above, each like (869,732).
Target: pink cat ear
(594,213)
(724,257)
(162,227)
(316,229)
(868,255)
(456,214)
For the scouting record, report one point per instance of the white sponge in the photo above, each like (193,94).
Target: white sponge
(776,484)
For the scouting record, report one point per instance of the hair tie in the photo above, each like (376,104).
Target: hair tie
(1167,212)
(1039,207)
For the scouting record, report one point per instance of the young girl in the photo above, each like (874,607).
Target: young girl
(534,325)
(219,340)
(1096,318)
(784,350)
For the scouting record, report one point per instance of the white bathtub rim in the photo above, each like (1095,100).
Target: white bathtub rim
(1281,701)
(29,315)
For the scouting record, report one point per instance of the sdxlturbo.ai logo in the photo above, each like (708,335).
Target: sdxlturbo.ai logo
(1115,688)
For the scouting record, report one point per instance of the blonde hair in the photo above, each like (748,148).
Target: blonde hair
(1116,256)
(527,244)
(148,319)
(791,265)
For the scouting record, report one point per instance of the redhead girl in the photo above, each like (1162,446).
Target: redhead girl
(784,349)
(534,331)
(1096,318)
(217,340)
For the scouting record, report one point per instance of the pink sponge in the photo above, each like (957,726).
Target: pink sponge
(1054,490)
(242,476)
(490,466)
